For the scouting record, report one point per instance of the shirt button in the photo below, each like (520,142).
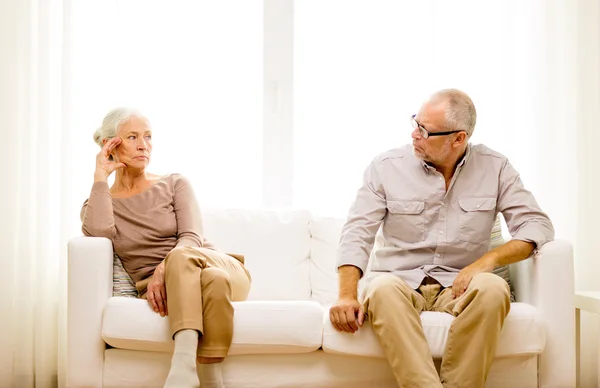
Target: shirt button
(478,206)
(441,232)
(437,255)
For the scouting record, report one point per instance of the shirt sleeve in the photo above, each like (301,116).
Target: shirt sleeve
(364,218)
(187,214)
(97,213)
(524,218)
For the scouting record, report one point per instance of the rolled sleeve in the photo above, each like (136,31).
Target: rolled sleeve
(524,217)
(364,218)
(535,232)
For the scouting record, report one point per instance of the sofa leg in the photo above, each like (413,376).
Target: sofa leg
(577,347)
(539,381)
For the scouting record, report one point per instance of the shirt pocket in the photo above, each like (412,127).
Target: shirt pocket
(406,220)
(476,219)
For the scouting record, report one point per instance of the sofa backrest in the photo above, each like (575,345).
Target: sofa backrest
(290,254)
(275,245)
(325,237)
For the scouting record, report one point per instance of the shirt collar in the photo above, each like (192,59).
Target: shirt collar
(463,161)
(460,164)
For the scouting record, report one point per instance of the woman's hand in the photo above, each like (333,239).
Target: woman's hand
(105,167)
(157,293)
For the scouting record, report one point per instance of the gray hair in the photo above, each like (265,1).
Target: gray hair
(112,122)
(460,110)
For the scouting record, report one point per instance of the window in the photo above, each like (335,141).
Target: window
(344,94)
(195,69)
(361,70)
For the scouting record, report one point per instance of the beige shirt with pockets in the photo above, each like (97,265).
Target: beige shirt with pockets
(429,231)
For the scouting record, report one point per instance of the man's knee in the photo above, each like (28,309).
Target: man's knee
(384,286)
(492,289)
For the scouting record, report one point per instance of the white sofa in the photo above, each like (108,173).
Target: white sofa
(282,336)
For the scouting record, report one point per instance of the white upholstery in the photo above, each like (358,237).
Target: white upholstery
(292,260)
(261,327)
(135,369)
(523,334)
(548,283)
(276,246)
(89,280)
(325,235)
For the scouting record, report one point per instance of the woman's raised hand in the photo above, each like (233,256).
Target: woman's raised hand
(105,167)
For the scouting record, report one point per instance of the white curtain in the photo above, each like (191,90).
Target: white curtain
(33,159)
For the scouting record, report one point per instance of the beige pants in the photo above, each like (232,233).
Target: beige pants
(201,284)
(394,309)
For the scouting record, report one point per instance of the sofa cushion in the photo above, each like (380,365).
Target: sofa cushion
(523,334)
(275,245)
(260,327)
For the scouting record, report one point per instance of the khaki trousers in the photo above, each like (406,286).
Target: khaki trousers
(394,309)
(201,284)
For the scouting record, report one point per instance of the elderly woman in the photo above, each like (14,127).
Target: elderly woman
(155,226)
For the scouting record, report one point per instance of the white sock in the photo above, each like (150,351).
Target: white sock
(183,372)
(211,375)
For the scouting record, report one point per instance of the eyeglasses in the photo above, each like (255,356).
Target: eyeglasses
(424,132)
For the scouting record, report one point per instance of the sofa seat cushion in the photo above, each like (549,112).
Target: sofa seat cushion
(523,334)
(260,327)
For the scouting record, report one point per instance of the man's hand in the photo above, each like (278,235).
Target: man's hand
(510,252)
(465,276)
(347,315)
(157,293)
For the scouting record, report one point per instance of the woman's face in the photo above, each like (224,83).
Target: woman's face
(136,146)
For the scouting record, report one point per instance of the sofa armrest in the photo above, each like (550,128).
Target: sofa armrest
(547,281)
(90,266)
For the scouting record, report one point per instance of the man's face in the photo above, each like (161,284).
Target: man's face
(434,149)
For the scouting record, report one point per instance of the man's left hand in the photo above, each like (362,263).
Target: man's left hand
(468,273)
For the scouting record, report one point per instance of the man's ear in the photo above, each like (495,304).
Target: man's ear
(460,139)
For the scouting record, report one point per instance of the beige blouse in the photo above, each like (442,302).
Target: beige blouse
(144,228)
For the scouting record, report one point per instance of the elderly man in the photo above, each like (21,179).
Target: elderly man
(436,201)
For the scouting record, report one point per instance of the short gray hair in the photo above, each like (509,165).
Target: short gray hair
(460,110)
(112,121)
